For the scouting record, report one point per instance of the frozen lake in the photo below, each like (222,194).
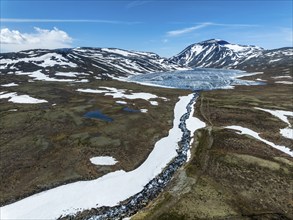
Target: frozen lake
(197,79)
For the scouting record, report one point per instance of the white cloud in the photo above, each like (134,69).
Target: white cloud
(183,31)
(38,20)
(13,40)
(133,4)
(186,30)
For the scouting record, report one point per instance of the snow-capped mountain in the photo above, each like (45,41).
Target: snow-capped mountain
(270,58)
(216,53)
(84,64)
(222,54)
(100,62)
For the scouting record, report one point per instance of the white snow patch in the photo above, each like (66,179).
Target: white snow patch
(282,77)
(154,103)
(38,75)
(287,132)
(69,74)
(193,124)
(284,82)
(121,93)
(92,91)
(143,110)
(9,84)
(107,190)
(282,115)
(103,160)
(49,59)
(118,51)
(254,134)
(121,102)
(235,47)
(23,99)
(275,60)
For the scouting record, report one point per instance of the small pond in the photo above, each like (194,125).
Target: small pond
(130,110)
(97,115)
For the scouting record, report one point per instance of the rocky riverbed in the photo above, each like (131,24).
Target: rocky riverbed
(153,188)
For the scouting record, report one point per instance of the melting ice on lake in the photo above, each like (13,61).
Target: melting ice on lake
(196,79)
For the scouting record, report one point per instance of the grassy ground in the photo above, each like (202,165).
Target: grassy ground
(45,145)
(229,176)
(233,176)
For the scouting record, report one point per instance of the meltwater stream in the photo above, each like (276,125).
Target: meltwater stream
(157,184)
(197,79)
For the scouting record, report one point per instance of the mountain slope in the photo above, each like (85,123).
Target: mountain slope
(98,62)
(216,53)
(83,64)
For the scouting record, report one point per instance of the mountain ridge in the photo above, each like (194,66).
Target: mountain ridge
(115,62)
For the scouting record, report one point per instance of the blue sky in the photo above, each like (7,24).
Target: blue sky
(164,27)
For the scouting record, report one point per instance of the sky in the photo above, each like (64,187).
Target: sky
(161,26)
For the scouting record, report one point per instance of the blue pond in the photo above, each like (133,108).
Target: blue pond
(98,115)
(130,110)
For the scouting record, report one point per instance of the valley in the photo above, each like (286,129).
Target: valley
(47,131)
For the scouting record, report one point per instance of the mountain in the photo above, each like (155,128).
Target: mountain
(83,64)
(217,53)
(97,62)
